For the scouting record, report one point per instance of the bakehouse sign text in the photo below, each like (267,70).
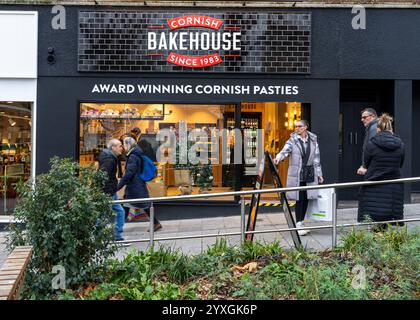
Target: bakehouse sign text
(180,38)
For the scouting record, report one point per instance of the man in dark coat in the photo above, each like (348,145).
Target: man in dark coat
(370,120)
(135,188)
(109,163)
(384,156)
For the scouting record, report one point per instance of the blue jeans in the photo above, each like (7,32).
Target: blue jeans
(119,218)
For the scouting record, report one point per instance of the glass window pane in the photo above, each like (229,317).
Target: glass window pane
(269,124)
(15,155)
(199,167)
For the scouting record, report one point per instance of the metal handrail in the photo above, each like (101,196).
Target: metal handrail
(242,232)
(211,235)
(275,190)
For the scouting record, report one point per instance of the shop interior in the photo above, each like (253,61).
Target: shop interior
(15,155)
(100,122)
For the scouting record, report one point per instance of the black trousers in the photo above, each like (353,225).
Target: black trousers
(301,204)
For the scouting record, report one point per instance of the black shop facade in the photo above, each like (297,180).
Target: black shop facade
(207,73)
(218,116)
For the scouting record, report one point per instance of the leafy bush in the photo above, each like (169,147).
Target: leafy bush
(66,218)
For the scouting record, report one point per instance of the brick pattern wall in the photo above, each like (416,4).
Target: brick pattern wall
(270,42)
(215,2)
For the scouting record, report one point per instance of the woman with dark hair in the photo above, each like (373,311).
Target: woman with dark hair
(384,156)
(304,168)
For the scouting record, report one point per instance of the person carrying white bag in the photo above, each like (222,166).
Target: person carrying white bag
(304,168)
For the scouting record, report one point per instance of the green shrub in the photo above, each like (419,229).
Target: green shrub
(66,219)
(255,250)
(390,261)
(174,265)
(151,275)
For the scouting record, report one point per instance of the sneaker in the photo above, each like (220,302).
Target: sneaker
(119,239)
(301,232)
(157,227)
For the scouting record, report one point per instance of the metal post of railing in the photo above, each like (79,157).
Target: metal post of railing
(334,218)
(151,224)
(242,219)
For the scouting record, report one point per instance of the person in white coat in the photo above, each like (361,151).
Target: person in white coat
(304,168)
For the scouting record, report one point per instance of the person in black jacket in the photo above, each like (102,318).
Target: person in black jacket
(144,145)
(135,188)
(109,163)
(370,121)
(384,156)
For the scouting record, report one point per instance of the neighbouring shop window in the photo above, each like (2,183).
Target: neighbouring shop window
(203,125)
(16,145)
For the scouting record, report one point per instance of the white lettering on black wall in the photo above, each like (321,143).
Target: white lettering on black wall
(271,90)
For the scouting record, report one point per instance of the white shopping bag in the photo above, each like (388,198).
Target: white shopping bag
(321,209)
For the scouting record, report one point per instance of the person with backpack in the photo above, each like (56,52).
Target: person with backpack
(138,170)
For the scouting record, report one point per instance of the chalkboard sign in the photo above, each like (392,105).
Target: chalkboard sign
(255,200)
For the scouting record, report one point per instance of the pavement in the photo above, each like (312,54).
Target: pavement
(316,240)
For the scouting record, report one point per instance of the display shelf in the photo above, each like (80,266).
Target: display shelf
(121,118)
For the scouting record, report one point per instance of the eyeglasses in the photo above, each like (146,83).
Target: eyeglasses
(364,117)
(298,126)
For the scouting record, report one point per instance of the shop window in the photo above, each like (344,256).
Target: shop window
(202,125)
(275,121)
(15,156)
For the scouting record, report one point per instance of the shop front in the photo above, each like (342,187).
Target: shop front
(18,73)
(227,125)
(233,81)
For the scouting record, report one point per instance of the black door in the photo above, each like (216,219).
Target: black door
(352,134)
(232,172)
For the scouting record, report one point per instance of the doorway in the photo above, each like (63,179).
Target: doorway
(355,95)
(351,137)
(266,126)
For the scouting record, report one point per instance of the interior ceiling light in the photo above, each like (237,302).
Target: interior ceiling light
(12,123)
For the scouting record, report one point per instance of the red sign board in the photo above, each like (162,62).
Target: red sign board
(194,21)
(195,40)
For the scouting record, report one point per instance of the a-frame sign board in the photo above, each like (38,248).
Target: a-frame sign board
(255,200)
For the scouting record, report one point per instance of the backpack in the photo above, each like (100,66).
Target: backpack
(148,171)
